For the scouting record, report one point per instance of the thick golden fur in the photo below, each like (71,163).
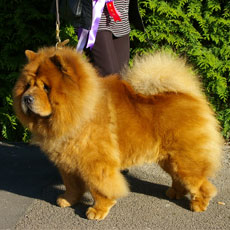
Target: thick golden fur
(92,127)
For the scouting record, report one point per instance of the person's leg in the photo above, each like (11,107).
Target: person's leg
(122,47)
(103,54)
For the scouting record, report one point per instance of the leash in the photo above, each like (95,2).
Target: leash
(59,43)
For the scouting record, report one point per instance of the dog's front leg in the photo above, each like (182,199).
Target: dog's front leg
(101,206)
(75,188)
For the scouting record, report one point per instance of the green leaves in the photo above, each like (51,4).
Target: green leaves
(24,25)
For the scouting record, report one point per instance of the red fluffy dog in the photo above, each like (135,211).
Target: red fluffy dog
(93,127)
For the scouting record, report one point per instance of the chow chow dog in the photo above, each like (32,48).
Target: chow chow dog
(92,127)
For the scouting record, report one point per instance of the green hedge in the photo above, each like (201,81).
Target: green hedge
(196,29)
(24,24)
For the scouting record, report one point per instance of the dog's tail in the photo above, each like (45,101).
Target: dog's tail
(161,72)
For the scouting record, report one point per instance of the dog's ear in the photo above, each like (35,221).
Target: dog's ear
(59,62)
(31,55)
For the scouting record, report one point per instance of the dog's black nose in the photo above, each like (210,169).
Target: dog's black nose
(28,99)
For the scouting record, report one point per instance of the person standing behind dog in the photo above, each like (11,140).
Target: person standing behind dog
(103,29)
(111,50)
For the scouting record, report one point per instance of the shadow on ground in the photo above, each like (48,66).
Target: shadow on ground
(24,170)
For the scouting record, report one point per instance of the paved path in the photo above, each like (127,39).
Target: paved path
(29,185)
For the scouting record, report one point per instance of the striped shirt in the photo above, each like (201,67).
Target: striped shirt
(119,28)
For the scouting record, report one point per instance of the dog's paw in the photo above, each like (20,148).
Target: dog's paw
(96,214)
(63,202)
(173,194)
(198,206)
(66,201)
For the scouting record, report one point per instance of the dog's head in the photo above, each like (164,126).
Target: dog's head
(55,90)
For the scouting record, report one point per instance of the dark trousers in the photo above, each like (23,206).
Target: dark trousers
(109,53)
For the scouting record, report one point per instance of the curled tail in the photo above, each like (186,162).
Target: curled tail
(158,73)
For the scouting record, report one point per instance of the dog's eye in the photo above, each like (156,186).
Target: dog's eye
(27,86)
(46,88)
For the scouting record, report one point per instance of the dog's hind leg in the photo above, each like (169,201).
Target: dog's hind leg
(201,195)
(201,191)
(189,177)
(75,188)
(177,191)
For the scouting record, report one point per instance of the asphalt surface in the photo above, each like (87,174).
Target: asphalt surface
(29,185)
